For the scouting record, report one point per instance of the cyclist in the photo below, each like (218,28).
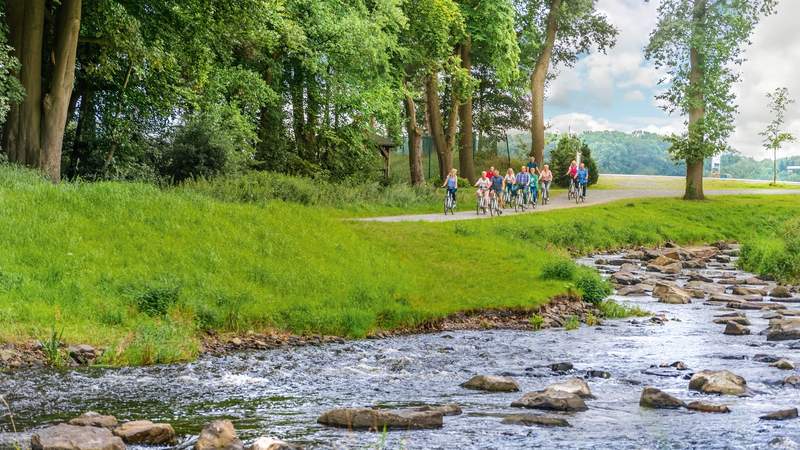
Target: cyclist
(546,178)
(571,173)
(522,182)
(582,176)
(534,186)
(491,172)
(497,189)
(533,167)
(483,185)
(508,183)
(451,183)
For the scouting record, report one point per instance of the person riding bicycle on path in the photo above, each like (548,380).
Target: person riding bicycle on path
(546,178)
(522,181)
(497,189)
(491,172)
(483,184)
(582,176)
(451,183)
(534,186)
(572,172)
(533,167)
(508,184)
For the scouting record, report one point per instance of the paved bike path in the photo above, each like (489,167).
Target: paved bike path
(560,201)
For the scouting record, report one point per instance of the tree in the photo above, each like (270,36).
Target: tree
(571,28)
(773,135)
(565,152)
(34,130)
(699,43)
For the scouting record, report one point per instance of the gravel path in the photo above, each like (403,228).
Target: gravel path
(559,201)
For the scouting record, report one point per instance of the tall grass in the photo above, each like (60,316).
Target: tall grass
(776,253)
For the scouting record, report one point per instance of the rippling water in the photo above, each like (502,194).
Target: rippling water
(281,392)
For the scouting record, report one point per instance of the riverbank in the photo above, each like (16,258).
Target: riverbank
(143,274)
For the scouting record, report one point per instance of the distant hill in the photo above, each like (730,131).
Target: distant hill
(643,153)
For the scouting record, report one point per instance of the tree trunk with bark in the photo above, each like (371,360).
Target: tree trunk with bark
(34,132)
(694,166)
(443,139)
(414,142)
(538,78)
(466,152)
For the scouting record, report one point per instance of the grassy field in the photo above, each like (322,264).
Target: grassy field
(144,272)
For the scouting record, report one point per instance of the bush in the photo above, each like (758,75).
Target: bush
(156,299)
(536,321)
(572,323)
(593,287)
(613,310)
(559,269)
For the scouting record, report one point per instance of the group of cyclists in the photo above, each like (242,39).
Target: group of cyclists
(496,192)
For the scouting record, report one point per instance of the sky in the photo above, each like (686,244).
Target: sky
(615,91)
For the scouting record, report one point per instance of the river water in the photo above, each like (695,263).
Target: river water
(282,392)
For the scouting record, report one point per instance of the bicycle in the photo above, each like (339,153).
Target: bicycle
(571,193)
(494,205)
(449,203)
(482,204)
(520,199)
(533,197)
(545,193)
(580,194)
(507,197)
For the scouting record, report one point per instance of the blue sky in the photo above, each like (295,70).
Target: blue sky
(616,91)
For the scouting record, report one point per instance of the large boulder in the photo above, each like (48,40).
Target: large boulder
(665,265)
(146,432)
(708,407)
(491,383)
(380,419)
(93,419)
(553,400)
(530,420)
(75,437)
(704,252)
(271,443)
(575,386)
(721,382)
(784,329)
(741,290)
(625,278)
(668,293)
(735,329)
(783,364)
(637,289)
(219,435)
(655,398)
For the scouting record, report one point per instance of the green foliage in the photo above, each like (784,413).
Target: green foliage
(536,322)
(564,153)
(559,269)
(777,255)
(592,320)
(156,299)
(572,323)
(10,88)
(717,33)
(51,347)
(613,310)
(593,287)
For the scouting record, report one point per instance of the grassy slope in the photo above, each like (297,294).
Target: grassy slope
(90,258)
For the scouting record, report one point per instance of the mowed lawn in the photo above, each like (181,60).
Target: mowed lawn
(145,272)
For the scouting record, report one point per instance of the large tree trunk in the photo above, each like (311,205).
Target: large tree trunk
(442,140)
(538,78)
(694,167)
(414,142)
(34,133)
(465,160)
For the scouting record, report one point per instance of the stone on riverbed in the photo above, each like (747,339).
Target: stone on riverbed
(723,382)
(219,435)
(741,290)
(708,407)
(74,437)
(734,317)
(145,432)
(792,380)
(575,386)
(705,287)
(551,400)
(784,414)
(625,278)
(448,409)
(780,292)
(783,329)
(656,398)
(530,420)
(783,364)
(665,265)
(93,419)
(667,293)
(380,419)
(561,367)
(491,383)
(271,443)
(736,329)
(637,289)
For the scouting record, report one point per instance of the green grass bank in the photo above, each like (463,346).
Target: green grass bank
(145,272)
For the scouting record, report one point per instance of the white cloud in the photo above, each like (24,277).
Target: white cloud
(577,123)
(634,96)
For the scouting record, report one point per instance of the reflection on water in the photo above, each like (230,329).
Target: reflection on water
(281,392)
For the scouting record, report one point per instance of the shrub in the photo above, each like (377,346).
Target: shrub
(156,299)
(613,310)
(536,321)
(592,320)
(593,287)
(778,257)
(559,269)
(572,323)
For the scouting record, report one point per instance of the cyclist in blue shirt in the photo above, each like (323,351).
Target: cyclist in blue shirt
(451,183)
(523,181)
(497,189)
(583,178)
